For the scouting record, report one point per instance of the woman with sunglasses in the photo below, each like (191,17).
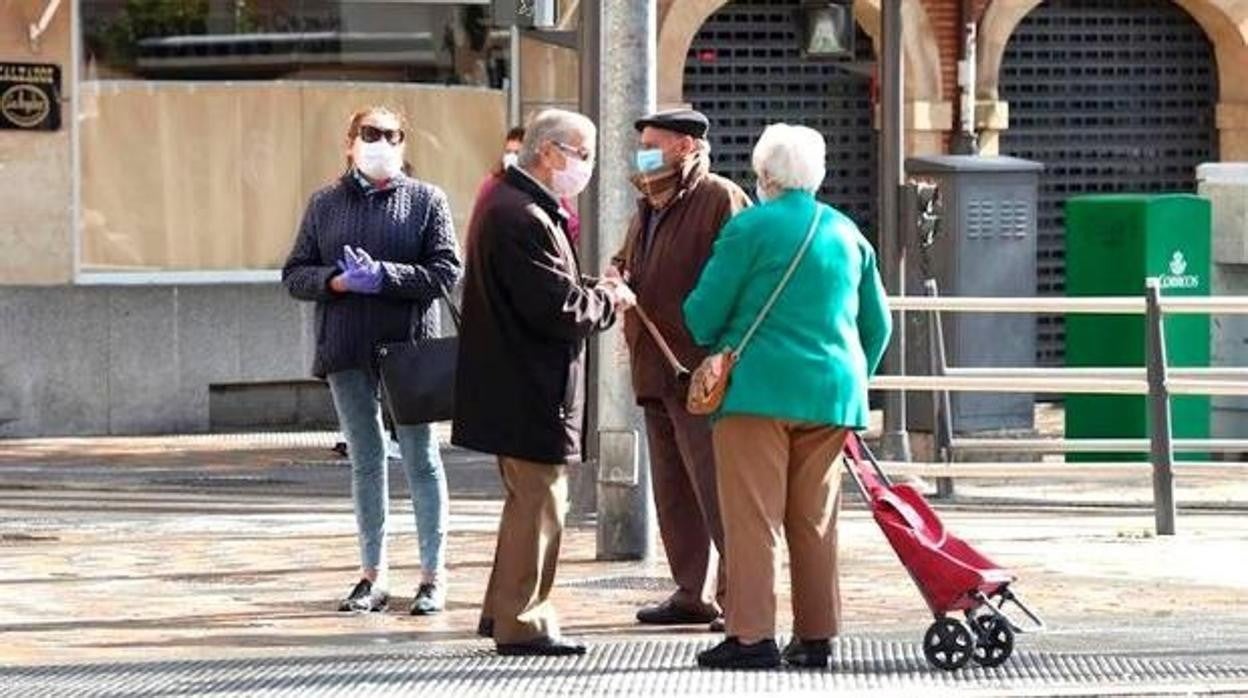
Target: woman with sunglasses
(374,252)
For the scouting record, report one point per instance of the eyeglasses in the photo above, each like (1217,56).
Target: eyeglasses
(580,153)
(372,134)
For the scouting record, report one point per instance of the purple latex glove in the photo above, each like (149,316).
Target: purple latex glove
(360,272)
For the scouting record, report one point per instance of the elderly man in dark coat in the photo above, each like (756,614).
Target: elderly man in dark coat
(527,313)
(681,208)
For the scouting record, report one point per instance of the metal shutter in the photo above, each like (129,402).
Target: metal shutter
(745,71)
(1112,96)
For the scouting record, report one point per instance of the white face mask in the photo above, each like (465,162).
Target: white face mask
(510,160)
(573,178)
(378,160)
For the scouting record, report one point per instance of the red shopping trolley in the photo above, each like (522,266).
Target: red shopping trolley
(951,575)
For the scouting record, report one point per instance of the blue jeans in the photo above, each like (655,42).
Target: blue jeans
(359,415)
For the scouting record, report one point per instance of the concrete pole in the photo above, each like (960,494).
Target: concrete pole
(622,62)
(895,444)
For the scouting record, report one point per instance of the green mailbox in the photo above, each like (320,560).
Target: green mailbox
(1114,242)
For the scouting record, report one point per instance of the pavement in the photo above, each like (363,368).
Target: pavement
(211,565)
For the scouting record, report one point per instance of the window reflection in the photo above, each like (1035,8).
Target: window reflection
(359,40)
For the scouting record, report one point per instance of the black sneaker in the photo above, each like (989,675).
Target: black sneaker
(807,654)
(430,599)
(364,598)
(731,654)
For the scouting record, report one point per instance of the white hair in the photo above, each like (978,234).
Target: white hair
(554,125)
(791,157)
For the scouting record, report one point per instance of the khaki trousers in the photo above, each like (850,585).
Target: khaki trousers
(682,470)
(527,552)
(776,474)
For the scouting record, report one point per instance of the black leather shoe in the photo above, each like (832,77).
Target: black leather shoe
(485,627)
(543,646)
(364,598)
(808,654)
(669,613)
(731,654)
(717,625)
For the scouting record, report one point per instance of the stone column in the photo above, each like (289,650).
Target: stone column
(991,118)
(927,124)
(1233,131)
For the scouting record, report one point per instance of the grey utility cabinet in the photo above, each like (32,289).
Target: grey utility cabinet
(985,246)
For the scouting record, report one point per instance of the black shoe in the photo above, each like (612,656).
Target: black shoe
(485,627)
(731,654)
(430,599)
(808,654)
(669,613)
(717,625)
(364,598)
(543,646)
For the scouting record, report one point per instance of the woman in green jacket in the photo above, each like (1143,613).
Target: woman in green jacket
(799,387)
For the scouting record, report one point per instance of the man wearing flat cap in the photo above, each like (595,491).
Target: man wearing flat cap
(679,214)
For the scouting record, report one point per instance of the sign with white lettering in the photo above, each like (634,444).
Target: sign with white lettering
(30,96)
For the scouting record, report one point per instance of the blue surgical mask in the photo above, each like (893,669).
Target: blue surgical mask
(649,160)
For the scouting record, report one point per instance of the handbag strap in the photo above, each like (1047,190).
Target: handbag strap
(444,294)
(784,281)
(450,305)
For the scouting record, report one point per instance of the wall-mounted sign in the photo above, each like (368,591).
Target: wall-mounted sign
(30,96)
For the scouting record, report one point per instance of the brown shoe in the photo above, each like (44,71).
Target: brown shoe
(670,613)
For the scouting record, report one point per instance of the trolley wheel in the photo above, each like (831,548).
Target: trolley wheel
(995,641)
(948,644)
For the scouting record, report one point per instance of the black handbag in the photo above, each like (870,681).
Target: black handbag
(418,376)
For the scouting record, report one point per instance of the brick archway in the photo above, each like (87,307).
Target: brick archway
(1221,21)
(683,18)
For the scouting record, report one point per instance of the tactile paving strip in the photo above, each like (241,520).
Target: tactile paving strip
(652,667)
(620,582)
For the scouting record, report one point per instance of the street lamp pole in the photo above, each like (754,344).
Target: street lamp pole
(895,443)
(618,86)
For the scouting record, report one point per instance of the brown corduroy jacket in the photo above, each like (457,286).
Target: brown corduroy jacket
(664,269)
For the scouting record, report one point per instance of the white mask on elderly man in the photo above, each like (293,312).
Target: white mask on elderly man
(573,178)
(378,160)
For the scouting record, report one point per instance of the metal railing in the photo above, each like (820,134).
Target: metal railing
(1156,380)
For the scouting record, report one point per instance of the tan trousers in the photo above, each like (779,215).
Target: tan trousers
(529,534)
(777,474)
(682,470)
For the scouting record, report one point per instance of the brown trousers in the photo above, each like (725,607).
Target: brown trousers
(682,470)
(775,474)
(527,552)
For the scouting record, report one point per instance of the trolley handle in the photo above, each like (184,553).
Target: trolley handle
(1007,596)
(856,447)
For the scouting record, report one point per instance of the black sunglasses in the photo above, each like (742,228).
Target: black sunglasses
(372,134)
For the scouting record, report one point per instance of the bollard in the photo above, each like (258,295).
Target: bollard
(942,411)
(1161,438)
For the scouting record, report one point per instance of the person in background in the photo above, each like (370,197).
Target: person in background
(519,394)
(799,387)
(374,252)
(680,210)
(511,153)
